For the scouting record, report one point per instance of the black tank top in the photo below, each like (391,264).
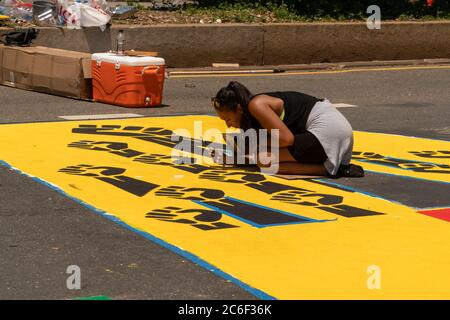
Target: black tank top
(297,107)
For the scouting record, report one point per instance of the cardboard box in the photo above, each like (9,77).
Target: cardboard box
(49,70)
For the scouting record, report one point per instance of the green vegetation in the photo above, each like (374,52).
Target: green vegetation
(245,12)
(316,10)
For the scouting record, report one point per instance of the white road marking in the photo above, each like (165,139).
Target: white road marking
(344,105)
(101,116)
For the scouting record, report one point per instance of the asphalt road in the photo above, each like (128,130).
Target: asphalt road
(43,232)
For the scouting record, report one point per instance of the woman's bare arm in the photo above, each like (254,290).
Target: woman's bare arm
(266,116)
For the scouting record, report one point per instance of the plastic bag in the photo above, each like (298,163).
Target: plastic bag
(100,4)
(17,9)
(4,10)
(45,13)
(67,14)
(77,15)
(93,17)
(123,10)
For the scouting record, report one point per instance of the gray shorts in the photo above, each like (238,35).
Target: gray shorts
(334,132)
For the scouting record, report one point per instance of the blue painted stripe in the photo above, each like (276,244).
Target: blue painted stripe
(394,166)
(332,183)
(407,177)
(276,210)
(256,225)
(252,223)
(378,196)
(197,260)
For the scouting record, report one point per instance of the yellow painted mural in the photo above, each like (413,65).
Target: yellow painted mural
(403,155)
(286,239)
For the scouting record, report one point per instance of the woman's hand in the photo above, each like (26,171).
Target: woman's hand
(221,157)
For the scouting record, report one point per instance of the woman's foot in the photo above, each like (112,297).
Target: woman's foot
(351,170)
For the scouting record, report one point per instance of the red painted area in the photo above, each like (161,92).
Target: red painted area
(443,214)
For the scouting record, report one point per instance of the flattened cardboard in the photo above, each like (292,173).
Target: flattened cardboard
(135,53)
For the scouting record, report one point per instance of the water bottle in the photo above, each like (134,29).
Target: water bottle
(120,43)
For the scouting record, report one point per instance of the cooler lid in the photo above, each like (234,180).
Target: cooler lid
(128,60)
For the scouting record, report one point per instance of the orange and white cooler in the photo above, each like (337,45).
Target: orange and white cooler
(127,81)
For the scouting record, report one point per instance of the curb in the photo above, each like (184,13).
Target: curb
(185,46)
(321,66)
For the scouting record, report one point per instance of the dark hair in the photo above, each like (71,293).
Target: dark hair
(228,98)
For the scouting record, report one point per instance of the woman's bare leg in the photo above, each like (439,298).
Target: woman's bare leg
(288,165)
(302,168)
